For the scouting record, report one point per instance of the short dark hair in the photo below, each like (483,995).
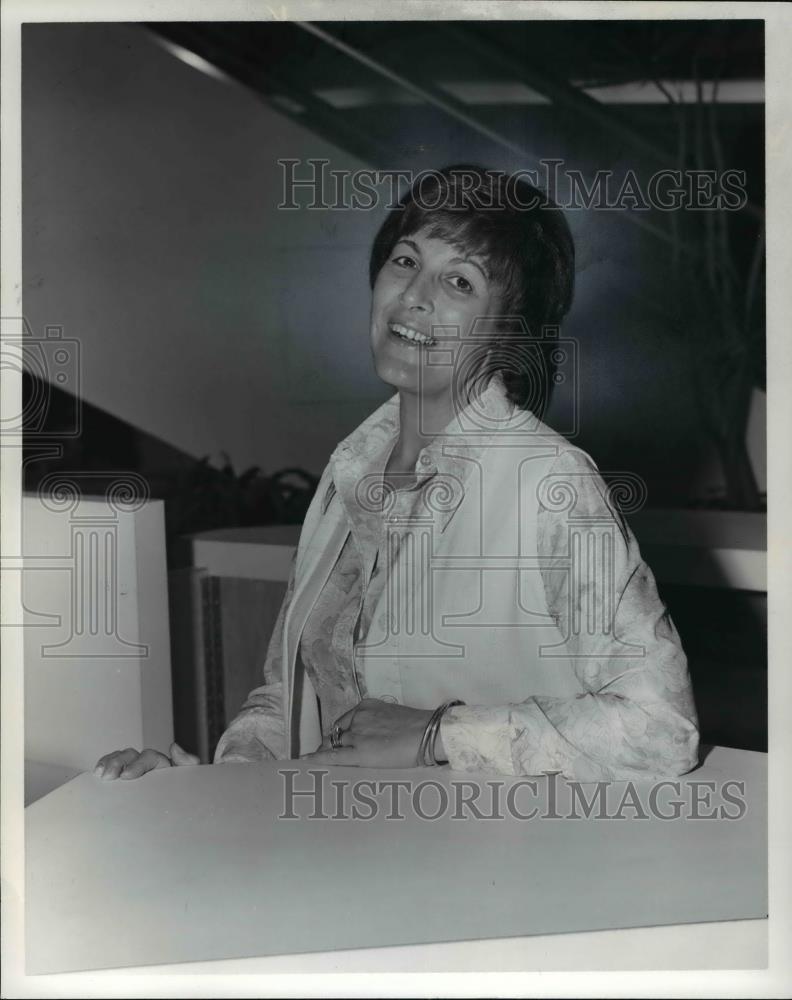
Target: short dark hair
(523,237)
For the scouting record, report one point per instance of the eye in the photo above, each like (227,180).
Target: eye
(462,284)
(404,261)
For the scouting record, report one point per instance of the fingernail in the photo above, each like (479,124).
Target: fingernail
(98,770)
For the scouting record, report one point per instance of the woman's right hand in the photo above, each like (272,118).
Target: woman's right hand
(131,764)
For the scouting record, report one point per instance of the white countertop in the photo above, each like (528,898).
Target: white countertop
(193,865)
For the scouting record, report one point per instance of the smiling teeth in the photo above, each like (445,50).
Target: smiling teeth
(409,334)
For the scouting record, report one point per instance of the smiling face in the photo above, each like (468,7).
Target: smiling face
(426,283)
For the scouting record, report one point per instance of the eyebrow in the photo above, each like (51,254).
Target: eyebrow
(453,260)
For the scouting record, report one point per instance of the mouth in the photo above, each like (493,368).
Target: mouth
(408,335)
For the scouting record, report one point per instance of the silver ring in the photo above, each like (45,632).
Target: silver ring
(335,737)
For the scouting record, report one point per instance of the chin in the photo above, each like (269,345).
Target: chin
(397,378)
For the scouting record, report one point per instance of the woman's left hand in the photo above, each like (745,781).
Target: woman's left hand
(375,734)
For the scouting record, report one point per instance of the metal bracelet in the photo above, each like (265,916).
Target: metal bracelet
(426,751)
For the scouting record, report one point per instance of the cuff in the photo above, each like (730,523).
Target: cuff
(478,738)
(242,750)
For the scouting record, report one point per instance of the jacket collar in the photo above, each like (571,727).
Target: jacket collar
(358,462)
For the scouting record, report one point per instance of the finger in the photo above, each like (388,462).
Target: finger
(345,757)
(147,761)
(346,739)
(112,764)
(180,757)
(344,722)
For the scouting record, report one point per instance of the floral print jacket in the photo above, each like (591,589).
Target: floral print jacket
(502,574)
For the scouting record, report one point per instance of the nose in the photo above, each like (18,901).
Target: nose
(417,294)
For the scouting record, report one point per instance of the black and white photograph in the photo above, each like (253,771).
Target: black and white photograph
(393,466)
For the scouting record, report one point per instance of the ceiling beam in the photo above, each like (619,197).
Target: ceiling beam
(237,60)
(560,92)
(425,90)
(450,106)
(564,94)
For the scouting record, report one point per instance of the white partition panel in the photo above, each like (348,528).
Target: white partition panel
(97,646)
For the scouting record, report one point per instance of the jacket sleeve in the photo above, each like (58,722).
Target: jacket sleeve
(634,716)
(257,733)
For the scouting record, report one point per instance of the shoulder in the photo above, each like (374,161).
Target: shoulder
(567,452)
(524,431)
(574,490)
(571,482)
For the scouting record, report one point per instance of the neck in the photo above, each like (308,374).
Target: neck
(420,420)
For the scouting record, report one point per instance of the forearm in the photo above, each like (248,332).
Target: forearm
(588,737)
(257,733)
(633,715)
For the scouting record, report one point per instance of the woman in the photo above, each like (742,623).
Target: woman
(464,591)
